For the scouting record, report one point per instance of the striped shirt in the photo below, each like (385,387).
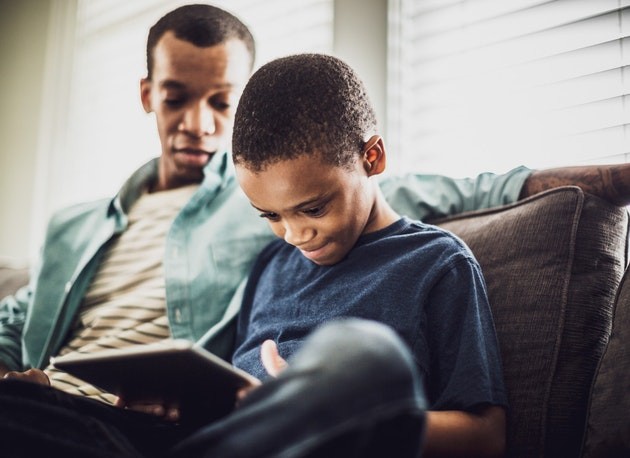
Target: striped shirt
(125,304)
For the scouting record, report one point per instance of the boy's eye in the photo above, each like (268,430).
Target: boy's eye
(315,211)
(270,216)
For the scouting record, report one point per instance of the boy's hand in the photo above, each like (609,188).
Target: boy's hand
(271,359)
(32,375)
(167,412)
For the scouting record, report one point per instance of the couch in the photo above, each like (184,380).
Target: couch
(555,268)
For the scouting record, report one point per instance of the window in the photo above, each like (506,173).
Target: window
(478,85)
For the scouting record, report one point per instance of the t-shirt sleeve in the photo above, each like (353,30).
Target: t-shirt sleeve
(428,197)
(464,367)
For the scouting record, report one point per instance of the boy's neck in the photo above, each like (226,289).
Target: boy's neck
(382,215)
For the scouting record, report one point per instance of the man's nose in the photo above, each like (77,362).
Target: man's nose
(297,234)
(198,120)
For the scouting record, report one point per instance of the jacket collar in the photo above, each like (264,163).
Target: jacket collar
(217,174)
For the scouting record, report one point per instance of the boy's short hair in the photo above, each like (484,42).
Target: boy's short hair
(302,104)
(201,25)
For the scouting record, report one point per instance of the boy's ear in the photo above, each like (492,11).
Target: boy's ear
(145,94)
(374,156)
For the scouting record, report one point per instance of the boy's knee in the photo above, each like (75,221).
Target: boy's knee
(361,355)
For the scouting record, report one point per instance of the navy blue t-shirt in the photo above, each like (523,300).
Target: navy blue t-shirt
(417,278)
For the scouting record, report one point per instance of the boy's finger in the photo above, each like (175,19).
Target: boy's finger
(271,359)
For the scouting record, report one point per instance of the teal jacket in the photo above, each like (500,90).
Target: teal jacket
(210,248)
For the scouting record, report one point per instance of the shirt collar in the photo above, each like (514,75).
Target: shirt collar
(218,173)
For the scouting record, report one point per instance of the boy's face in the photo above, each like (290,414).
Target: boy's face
(193,93)
(319,208)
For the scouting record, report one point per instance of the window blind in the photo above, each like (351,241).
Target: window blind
(480,85)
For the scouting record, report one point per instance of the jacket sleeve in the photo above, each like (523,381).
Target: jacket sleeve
(428,197)
(12,317)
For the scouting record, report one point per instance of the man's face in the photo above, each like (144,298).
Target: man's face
(193,93)
(319,208)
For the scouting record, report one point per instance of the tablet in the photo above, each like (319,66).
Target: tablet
(203,385)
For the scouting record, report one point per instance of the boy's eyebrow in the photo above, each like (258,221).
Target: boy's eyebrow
(303,204)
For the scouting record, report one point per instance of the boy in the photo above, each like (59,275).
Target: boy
(306,154)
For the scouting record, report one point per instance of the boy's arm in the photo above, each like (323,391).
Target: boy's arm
(458,433)
(610,182)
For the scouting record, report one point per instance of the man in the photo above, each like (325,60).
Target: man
(168,255)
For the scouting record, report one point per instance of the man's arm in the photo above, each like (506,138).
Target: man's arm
(610,182)
(456,433)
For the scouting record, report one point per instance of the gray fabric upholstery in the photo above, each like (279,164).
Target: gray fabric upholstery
(552,265)
(11,279)
(608,424)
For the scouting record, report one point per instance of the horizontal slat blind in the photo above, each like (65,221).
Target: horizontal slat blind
(488,84)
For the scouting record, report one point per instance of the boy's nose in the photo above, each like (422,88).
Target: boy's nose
(198,121)
(296,235)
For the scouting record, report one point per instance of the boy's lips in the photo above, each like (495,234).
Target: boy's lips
(313,254)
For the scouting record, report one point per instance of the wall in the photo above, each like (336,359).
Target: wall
(23,34)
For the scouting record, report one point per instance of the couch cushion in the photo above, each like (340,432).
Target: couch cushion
(552,264)
(608,423)
(12,277)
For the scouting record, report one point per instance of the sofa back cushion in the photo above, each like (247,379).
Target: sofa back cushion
(12,278)
(608,422)
(552,264)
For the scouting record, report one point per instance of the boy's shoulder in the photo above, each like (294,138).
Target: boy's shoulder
(416,232)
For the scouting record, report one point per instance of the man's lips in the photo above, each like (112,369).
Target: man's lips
(188,150)
(194,157)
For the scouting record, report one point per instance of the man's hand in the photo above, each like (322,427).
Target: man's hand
(32,375)
(165,411)
(609,182)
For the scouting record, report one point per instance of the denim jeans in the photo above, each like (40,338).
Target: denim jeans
(352,390)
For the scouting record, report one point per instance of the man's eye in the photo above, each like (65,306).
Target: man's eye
(220,104)
(270,216)
(173,103)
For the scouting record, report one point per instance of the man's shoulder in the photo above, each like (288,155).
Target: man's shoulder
(77,213)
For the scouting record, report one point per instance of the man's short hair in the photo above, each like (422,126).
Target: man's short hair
(201,25)
(302,104)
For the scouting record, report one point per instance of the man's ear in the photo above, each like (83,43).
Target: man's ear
(374,156)
(145,94)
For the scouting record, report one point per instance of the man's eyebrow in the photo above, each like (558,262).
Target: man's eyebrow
(174,84)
